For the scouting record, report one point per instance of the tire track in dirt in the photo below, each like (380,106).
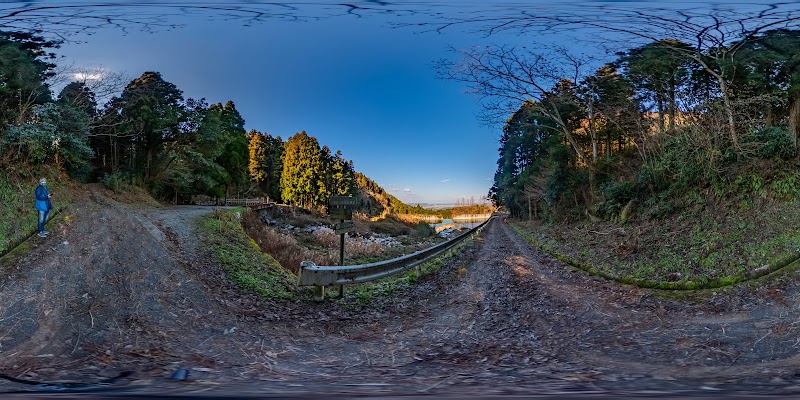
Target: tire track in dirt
(734,335)
(118,287)
(511,316)
(105,292)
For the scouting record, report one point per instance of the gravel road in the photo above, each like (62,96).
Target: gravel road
(129,288)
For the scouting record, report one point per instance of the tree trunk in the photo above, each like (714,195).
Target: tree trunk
(660,116)
(672,105)
(768,115)
(114,155)
(726,99)
(794,115)
(593,135)
(529,207)
(575,146)
(148,163)
(729,111)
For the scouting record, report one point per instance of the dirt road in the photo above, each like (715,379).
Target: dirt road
(124,288)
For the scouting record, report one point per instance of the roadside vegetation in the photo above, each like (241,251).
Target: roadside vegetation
(294,235)
(144,138)
(18,215)
(672,166)
(696,249)
(241,258)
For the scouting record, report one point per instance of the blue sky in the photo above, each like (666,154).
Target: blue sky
(356,84)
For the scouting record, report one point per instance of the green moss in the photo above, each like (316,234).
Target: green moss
(242,258)
(654,274)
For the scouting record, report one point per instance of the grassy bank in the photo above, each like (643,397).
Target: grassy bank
(17,212)
(705,243)
(242,259)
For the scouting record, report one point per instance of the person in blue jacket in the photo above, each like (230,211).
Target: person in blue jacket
(43,205)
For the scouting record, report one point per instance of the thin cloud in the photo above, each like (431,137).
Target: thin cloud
(88,76)
(445,180)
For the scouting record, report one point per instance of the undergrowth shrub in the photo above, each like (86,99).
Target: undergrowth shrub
(390,226)
(615,196)
(423,229)
(113,182)
(751,183)
(787,186)
(691,157)
(770,142)
(119,181)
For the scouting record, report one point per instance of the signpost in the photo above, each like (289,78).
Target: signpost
(341,208)
(343,227)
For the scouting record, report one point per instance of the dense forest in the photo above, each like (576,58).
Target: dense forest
(659,122)
(150,136)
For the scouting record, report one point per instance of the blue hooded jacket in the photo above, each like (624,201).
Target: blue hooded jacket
(42,198)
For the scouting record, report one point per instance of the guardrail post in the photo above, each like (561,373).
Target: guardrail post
(319,291)
(319,276)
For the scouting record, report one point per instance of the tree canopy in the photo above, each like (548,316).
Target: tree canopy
(667,115)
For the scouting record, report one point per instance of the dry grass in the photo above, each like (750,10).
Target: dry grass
(324,245)
(284,247)
(355,246)
(359,248)
(326,239)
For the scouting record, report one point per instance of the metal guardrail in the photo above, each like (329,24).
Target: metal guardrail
(254,204)
(320,276)
(245,202)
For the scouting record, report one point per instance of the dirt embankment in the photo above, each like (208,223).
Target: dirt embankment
(124,288)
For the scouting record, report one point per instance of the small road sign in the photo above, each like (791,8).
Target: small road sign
(343,201)
(342,207)
(344,227)
(341,213)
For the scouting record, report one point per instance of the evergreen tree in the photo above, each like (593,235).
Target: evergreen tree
(659,71)
(24,70)
(234,157)
(266,162)
(79,96)
(149,112)
(302,169)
